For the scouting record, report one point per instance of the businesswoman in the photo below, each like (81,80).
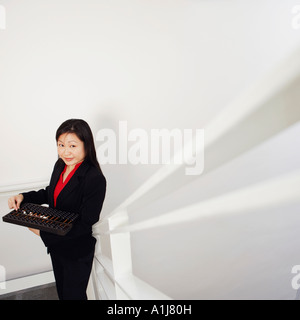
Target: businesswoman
(77,185)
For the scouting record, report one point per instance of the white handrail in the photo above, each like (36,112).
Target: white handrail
(276,192)
(260,112)
(9,189)
(256,115)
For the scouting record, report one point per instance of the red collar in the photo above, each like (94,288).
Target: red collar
(61,184)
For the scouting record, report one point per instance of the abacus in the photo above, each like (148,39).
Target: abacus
(42,218)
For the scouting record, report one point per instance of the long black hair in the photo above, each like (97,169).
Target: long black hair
(84,133)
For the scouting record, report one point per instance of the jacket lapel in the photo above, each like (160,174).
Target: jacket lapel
(73,183)
(54,179)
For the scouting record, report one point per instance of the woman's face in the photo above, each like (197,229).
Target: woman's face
(70,149)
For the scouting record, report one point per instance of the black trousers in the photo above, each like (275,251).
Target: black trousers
(71,275)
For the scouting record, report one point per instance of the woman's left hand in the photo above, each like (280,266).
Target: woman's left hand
(36,231)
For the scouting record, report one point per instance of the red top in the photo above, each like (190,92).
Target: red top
(60,184)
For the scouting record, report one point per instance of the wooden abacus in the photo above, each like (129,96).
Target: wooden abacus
(42,218)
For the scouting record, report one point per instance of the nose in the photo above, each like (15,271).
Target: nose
(67,151)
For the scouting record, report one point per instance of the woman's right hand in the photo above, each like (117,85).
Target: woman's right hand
(15,201)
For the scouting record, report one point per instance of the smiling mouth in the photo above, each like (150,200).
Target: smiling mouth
(68,159)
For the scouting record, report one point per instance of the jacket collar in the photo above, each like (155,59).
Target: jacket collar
(74,181)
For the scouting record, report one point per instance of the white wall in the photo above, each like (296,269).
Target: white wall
(154,63)
(234,255)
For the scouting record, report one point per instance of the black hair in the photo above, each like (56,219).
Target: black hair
(84,133)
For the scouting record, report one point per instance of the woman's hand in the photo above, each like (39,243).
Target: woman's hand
(15,201)
(36,231)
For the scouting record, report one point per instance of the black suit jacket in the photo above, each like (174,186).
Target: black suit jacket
(84,194)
